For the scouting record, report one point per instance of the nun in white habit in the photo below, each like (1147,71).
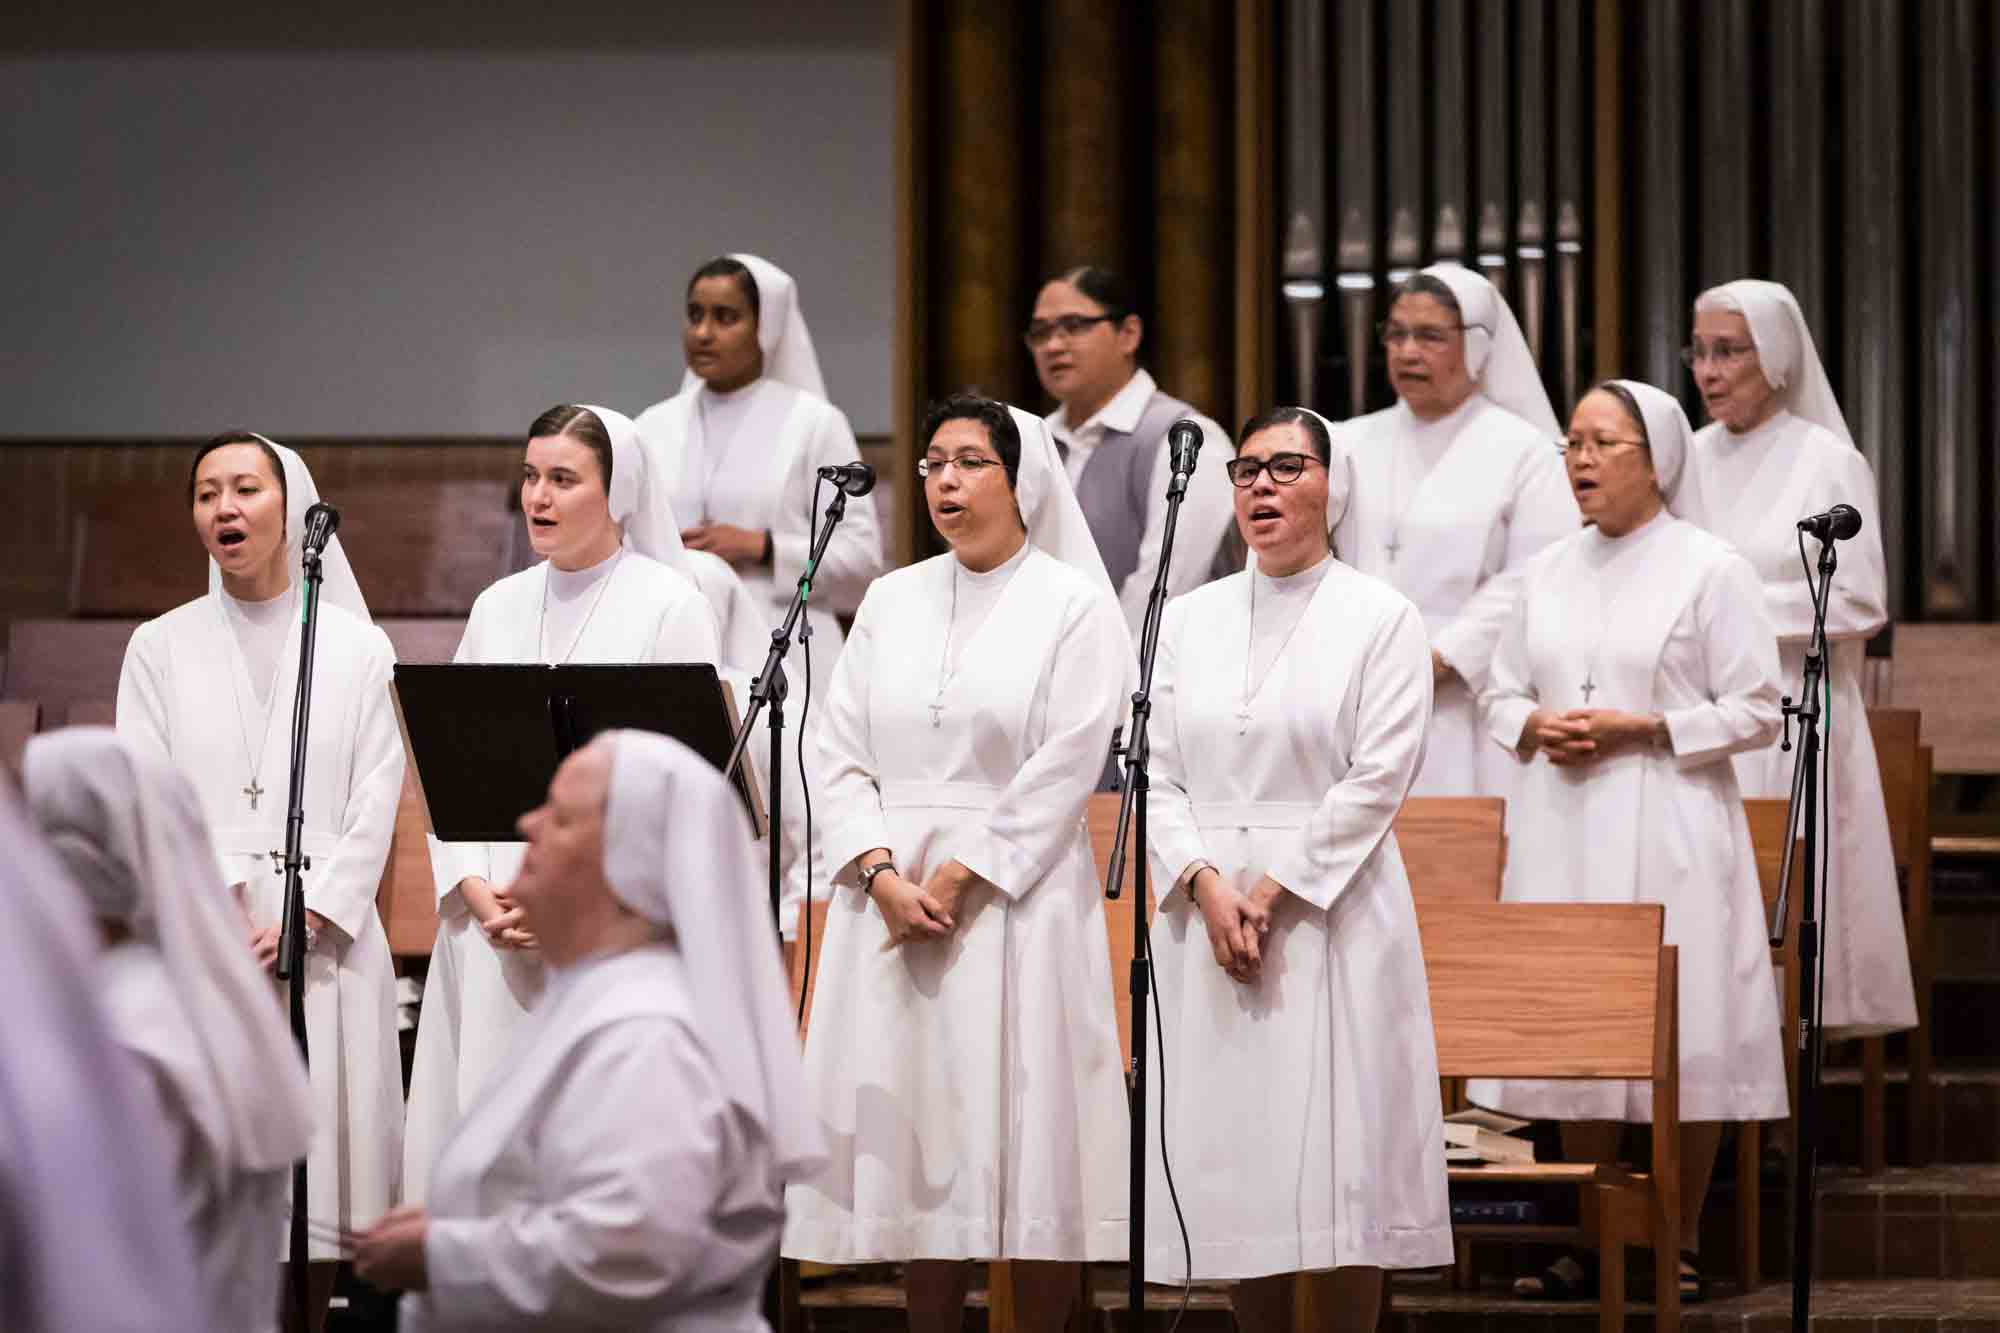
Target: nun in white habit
(91,1233)
(1290,705)
(209,687)
(609,589)
(185,1001)
(1455,487)
(740,446)
(627,1170)
(1777,448)
(963,1056)
(1639,660)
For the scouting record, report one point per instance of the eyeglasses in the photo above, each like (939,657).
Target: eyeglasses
(1069,326)
(1284,468)
(1598,448)
(969,466)
(1722,351)
(1429,337)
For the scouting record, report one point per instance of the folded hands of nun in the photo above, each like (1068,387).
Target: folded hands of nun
(390,1254)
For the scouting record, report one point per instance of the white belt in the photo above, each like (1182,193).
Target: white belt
(1253,814)
(939,795)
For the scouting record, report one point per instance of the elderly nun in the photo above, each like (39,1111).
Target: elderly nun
(1290,705)
(1639,660)
(1455,487)
(609,588)
(963,1056)
(221,1074)
(1776,449)
(627,1169)
(209,688)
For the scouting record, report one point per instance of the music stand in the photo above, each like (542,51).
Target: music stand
(485,740)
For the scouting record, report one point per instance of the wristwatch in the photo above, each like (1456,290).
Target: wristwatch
(869,873)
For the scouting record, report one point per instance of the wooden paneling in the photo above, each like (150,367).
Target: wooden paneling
(1945,672)
(1083,96)
(1190,335)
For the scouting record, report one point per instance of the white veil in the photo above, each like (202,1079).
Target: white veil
(1670,440)
(130,830)
(339,587)
(1048,502)
(677,851)
(781,330)
(1496,353)
(1784,348)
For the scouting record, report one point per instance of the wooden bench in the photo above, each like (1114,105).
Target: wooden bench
(1905,764)
(19,720)
(1570,991)
(1945,672)
(1769,818)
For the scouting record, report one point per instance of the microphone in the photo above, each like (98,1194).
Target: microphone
(855,478)
(321,521)
(1183,445)
(1835,525)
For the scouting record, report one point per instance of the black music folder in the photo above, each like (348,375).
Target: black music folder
(484,740)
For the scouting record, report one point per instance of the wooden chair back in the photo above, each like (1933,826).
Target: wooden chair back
(1102,817)
(19,720)
(1943,672)
(804,973)
(1549,990)
(406,899)
(60,662)
(1454,847)
(1895,732)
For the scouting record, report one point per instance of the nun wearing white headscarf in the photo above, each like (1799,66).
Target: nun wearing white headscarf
(610,588)
(1290,703)
(739,448)
(963,1055)
(1639,660)
(208,687)
(185,1001)
(1455,488)
(627,1169)
(1777,449)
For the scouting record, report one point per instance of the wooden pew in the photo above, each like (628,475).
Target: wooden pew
(1769,819)
(1945,672)
(1899,755)
(1580,991)
(19,720)
(64,662)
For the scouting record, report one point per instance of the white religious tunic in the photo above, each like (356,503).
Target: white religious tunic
(625,608)
(969,1087)
(1447,512)
(751,458)
(228,1214)
(189,691)
(1756,484)
(604,1181)
(1328,1057)
(1665,619)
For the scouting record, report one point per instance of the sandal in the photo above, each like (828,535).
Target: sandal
(1694,1286)
(1570,1278)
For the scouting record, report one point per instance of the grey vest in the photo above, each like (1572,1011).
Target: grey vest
(1116,489)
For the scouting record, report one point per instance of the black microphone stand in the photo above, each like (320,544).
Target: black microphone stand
(292,934)
(1137,753)
(1805,808)
(771,688)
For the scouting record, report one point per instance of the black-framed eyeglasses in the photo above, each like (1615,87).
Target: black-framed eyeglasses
(969,466)
(1284,468)
(1430,337)
(1069,326)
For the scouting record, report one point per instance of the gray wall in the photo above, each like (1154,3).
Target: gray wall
(387,232)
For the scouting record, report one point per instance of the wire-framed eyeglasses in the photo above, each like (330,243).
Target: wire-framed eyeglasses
(1069,326)
(969,466)
(1574,448)
(1284,469)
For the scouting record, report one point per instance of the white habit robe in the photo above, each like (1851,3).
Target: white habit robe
(1328,1058)
(1447,512)
(1755,486)
(605,1181)
(969,1088)
(1665,619)
(476,995)
(188,693)
(751,458)
(229,1214)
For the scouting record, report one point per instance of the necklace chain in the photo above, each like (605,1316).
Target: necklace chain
(542,620)
(944,654)
(254,762)
(1250,650)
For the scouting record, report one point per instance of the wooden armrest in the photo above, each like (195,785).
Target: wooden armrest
(1988,847)
(1542,1173)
